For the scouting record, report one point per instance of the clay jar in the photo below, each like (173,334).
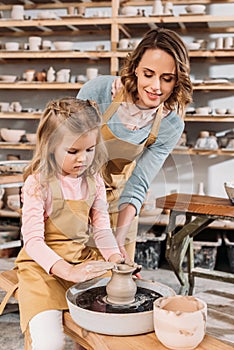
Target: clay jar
(180,321)
(121,289)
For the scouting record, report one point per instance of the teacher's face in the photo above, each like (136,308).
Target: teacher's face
(156,78)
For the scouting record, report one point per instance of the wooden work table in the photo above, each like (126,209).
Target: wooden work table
(200,212)
(95,341)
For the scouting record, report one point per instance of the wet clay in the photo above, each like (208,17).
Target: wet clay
(121,289)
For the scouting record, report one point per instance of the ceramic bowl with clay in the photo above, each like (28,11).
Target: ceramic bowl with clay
(180,321)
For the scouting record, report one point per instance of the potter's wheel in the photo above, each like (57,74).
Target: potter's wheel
(90,310)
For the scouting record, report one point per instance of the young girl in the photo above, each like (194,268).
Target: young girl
(64,201)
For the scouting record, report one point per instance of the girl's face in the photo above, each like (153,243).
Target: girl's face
(75,155)
(156,78)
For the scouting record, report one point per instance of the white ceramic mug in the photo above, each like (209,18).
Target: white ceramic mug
(34,43)
(219,43)
(17,12)
(157,8)
(91,73)
(4,106)
(29,75)
(228,42)
(124,44)
(180,321)
(168,8)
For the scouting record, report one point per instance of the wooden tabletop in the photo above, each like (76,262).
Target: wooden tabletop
(95,341)
(197,204)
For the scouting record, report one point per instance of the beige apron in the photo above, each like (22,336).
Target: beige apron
(66,232)
(122,155)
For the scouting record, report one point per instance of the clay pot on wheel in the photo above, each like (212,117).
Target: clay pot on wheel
(121,289)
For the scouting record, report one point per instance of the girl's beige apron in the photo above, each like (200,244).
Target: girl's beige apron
(66,232)
(122,156)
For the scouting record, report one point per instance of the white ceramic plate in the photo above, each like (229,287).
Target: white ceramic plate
(216,81)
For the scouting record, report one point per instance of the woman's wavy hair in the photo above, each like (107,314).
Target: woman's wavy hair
(170,42)
(60,116)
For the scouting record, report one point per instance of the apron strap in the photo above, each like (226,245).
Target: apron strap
(7,297)
(155,128)
(156,124)
(112,108)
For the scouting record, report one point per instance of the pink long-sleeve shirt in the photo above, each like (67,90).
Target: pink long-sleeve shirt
(37,207)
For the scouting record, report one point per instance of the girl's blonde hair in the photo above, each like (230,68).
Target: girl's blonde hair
(60,116)
(170,42)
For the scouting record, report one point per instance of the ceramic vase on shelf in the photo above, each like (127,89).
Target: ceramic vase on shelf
(201,189)
(157,8)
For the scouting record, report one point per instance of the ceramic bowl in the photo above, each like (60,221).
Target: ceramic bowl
(193,46)
(12,46)
(229,188)
(13,201)
(63,45)
(8,78)
(220,110)
(180,321)
(230,110)
(203,110)
(128,11)
(32,138)
(12,135)
(195,8)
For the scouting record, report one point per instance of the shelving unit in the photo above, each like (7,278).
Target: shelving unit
(111,28)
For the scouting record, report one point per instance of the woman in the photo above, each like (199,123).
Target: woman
(142,125)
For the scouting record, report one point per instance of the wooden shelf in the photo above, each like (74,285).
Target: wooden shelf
(76,86)
(188,118)
(211,118)
(192,152)
(21,115)
(189,151)
(19,146)
(76,54)
(26,54)
(40,86)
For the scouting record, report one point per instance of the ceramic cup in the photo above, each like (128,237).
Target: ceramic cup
(4,106)
(228,42)
(180,321)
(124,44)
(219,43)
(17,12)
(91,73)
(34,43)
(29,75)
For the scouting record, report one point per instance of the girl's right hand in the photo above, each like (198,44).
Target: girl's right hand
(81,272)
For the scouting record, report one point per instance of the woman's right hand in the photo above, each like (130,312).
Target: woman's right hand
(116,86)
(81,272)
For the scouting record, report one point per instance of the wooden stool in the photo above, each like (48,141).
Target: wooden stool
(95,341)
